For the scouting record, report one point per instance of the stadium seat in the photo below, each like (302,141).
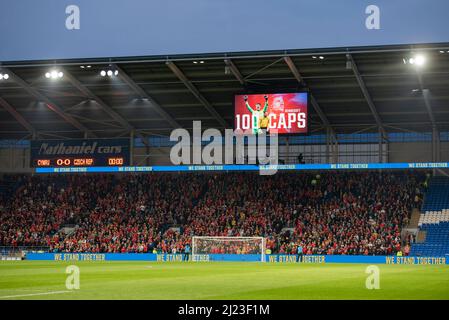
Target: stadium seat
(435,220)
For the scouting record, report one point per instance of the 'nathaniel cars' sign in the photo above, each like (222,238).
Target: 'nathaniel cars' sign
(80,153)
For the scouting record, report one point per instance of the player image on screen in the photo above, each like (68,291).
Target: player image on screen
(286,113)
(257,114)
(278,104)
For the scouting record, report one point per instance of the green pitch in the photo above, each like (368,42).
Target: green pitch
(226,280)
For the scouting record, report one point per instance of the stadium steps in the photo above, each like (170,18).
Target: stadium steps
(421,238)
(288,229)
(411,227)
(67,230)
(413,224)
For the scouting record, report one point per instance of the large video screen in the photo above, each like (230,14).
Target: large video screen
(281,113)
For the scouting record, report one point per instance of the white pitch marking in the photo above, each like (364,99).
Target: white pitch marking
(34,294)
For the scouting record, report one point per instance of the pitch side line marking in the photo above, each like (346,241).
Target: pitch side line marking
(33,294)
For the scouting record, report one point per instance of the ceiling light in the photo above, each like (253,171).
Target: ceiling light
(54,74)
(420,60)
(109,72)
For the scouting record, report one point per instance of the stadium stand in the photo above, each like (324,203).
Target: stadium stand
(330,213)
(434,221)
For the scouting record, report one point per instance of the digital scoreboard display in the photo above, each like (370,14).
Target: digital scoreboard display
(80,153)
(281,113)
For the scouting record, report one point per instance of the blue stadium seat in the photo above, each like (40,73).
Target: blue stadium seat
(436,202)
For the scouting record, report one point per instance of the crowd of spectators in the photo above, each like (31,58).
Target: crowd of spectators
(327,213)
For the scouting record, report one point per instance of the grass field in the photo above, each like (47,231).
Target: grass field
(226,280)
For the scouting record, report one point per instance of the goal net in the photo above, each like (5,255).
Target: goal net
(228,245)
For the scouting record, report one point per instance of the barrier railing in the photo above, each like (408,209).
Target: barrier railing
(272,258)
(11,250)
(250,167)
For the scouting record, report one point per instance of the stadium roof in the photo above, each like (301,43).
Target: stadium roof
(153,95)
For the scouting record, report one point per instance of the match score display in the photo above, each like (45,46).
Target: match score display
(78,162)
(281,113)
(80,153)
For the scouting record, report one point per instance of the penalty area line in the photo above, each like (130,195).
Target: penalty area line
(33,294)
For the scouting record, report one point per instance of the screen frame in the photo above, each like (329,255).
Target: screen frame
(272,91)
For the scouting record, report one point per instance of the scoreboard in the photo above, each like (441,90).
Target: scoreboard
(79,162)
(80,153)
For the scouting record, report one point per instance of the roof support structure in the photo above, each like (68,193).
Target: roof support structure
(50,104)
(249,55)
(291,65)
(181,76)
(53,135)
(235,71)
(112,113)
(89,94)
(263,68)
(69,109)
(105,123)
(435,132)
(367,96)
(142,94)
(17,116)
(425,94)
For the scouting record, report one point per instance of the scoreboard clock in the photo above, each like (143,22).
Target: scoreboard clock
(80,153)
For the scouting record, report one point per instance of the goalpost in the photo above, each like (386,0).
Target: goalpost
(203,245)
